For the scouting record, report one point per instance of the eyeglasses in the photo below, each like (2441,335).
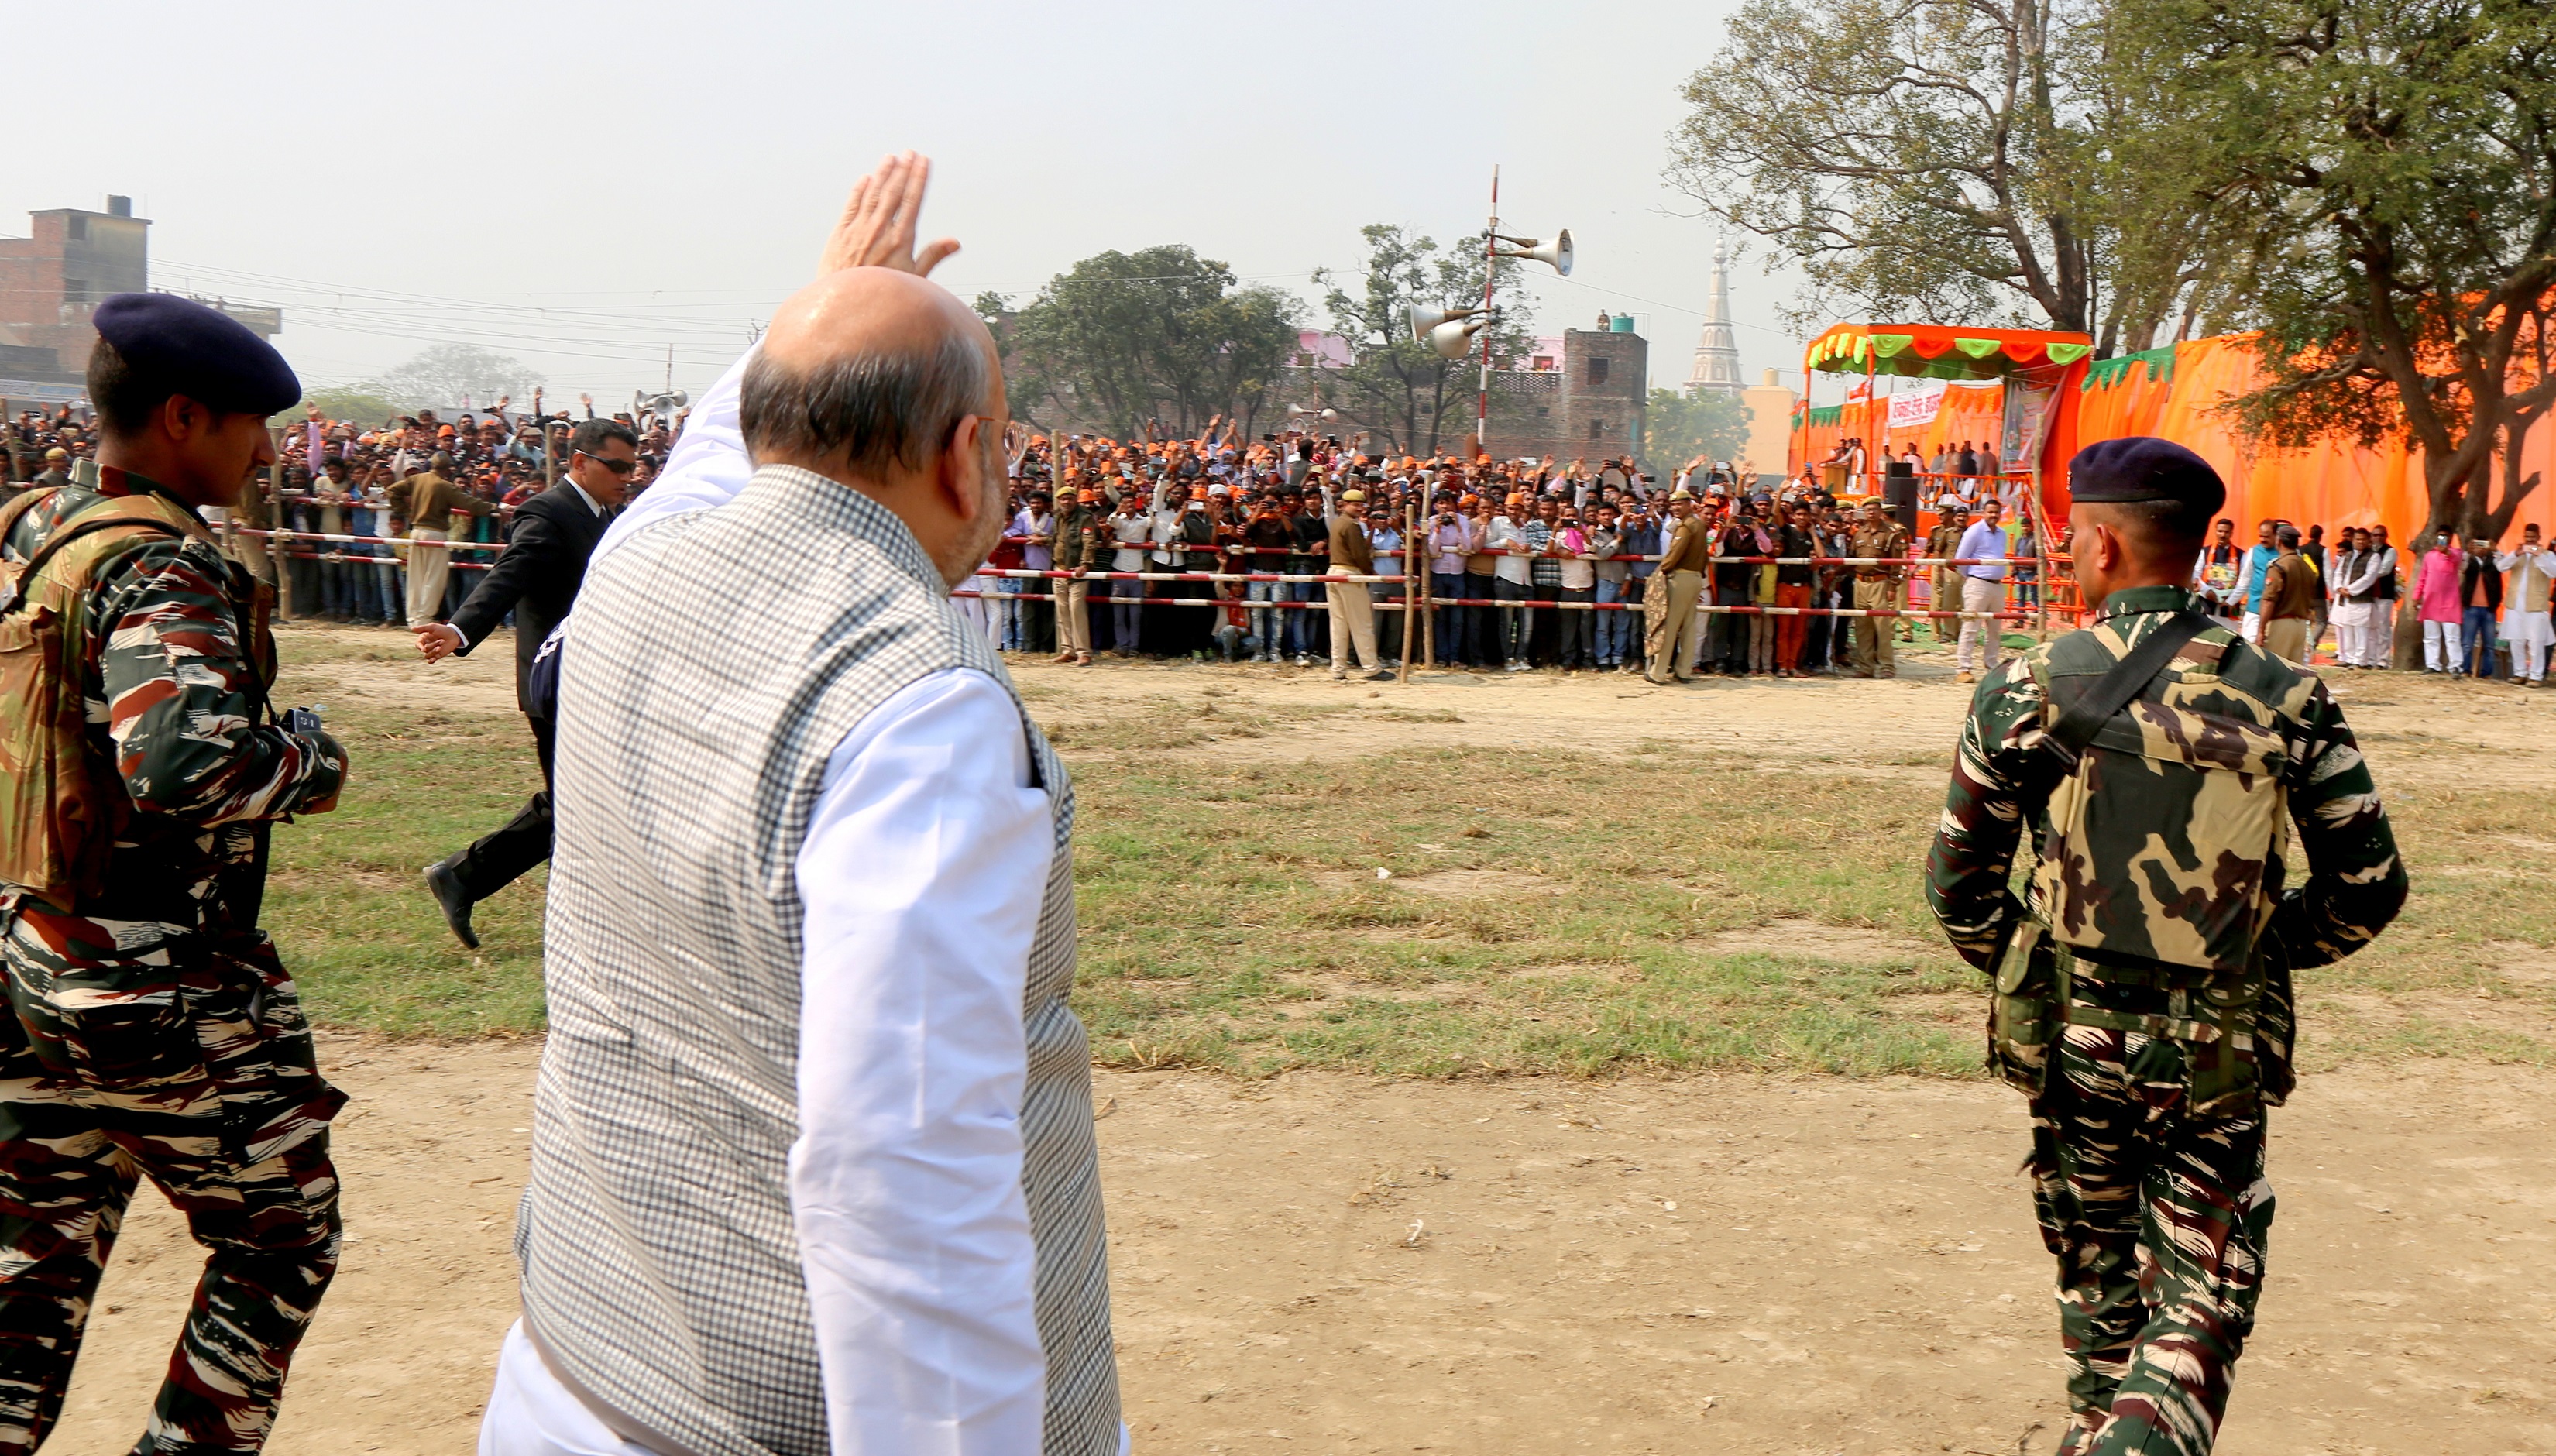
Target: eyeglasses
(617,467)
(1016,437)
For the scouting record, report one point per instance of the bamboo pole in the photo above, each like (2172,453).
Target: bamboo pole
(276,525)
(1418,638)
(2035,442)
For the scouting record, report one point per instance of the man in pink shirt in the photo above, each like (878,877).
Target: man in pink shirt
(2436,601)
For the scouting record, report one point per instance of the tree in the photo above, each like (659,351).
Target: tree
(1123,339)
(1678,428)
(1397,387)
(2387,176)
(447,375)
(356,402)
(1935,161)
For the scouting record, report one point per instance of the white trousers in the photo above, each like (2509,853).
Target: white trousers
(2378,639)
(530,1414)
(1353,613)
(2252,629)
(2530,634)
(1981,637)
(2441,646)
(430,563)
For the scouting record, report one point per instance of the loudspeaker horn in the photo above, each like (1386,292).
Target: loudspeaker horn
(1554,254)
(1300,412)
(1455,339)
(1424,317)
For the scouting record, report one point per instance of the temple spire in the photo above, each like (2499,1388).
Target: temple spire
(1717,351)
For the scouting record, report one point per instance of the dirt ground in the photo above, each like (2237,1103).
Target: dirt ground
(1332,1263)
(1725,1264)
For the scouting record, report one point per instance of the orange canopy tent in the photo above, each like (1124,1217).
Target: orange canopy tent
(2175,391)
(1940,351)
(2042,362)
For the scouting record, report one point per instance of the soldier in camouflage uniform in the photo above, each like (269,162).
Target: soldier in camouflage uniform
(2142,999)
(153,1031)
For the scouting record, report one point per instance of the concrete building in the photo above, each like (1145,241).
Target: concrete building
(1717,349)
(1588,408)
(70,261)
(1770,427)
(1576,394)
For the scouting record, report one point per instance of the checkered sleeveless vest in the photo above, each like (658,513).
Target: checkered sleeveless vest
(715,661)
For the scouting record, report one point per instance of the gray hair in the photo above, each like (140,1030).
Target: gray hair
(876,409)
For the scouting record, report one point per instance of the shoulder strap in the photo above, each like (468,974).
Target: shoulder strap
(87,523)
(21,503)
(2113,691)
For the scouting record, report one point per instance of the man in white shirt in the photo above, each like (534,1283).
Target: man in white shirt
(1983,590)
(1509,584)
(811,1163)
(2525,593)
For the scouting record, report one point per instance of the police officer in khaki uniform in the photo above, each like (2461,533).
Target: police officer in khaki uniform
(1944,583)
(2142,998)
(1078,528)
(1679,586)
(1876,589)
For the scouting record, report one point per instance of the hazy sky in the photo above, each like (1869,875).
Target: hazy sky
(583,185)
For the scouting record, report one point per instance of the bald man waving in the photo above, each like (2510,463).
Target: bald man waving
(813,1166)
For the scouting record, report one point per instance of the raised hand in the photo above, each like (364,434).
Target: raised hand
(877,227)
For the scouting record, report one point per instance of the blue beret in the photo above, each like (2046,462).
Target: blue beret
(200,352)
(2142,467)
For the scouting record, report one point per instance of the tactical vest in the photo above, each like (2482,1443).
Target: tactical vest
(2160,864)
(61,805)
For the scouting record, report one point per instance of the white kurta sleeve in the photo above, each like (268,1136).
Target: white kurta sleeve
(922,875)
(708,465)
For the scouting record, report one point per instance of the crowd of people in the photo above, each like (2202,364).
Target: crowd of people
(2483,611)
(377,511)
(1526,564)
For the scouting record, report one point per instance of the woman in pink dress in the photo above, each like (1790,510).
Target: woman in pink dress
(2436,601)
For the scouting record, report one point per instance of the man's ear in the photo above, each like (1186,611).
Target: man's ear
(965,446)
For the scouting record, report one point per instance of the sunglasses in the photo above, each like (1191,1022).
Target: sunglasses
(617,467)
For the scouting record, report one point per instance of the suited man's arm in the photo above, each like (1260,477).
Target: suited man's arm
(534,548)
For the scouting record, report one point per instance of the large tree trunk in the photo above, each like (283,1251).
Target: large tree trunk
(2406,639)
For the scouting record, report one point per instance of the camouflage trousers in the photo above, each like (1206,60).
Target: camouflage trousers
(2160,1221)
(189,1062)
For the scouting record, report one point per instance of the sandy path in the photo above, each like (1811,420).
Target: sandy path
(1328,1264)
(2416,727)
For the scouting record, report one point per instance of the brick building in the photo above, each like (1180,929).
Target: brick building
(70,261)
(1588,408)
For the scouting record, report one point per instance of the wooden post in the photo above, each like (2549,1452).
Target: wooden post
(550,465)
(1417,636)
(275,528)
(2035,440)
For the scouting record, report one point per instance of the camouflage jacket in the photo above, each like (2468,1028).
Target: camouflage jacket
(2002,783)
(176,665)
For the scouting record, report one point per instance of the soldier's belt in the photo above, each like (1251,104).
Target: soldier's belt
(2180,1028)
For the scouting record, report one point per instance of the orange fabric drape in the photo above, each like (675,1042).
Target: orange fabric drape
(2333,483)
(1969,412)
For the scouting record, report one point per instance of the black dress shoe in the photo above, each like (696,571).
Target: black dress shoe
(456,901)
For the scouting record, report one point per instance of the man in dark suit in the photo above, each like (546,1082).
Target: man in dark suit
(536,577)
